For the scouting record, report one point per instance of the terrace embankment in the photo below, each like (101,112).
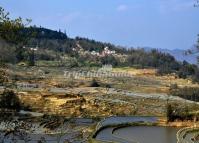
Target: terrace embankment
(97,102)
(75,104)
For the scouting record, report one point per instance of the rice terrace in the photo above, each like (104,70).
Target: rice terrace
(65,78)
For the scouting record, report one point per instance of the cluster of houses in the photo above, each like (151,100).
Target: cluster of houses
(104,53)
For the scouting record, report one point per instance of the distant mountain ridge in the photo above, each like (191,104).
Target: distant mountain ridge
(55,48)
(178,54)
(87,44)
(181,56)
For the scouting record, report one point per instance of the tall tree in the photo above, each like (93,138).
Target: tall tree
(12,31)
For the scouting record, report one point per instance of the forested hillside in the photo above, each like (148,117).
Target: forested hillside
(57,46)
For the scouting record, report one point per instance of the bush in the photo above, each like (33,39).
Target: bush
(196,77)
(9,100)
(189,93)
(3,75)
(173,86)
(162,70)
(94,83)
(174,112)
(169,113)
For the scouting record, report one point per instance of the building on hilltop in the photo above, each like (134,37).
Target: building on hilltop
(106,52)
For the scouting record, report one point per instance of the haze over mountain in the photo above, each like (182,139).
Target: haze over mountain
(179,54)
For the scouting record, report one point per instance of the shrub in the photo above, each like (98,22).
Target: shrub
(94,83)
(169,113)
(174,112)
(189,93)
(9,100)
(173,86)
(3,75)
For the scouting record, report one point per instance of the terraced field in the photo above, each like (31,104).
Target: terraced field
(46,90)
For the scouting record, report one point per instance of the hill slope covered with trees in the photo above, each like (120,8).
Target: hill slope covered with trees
(17,39)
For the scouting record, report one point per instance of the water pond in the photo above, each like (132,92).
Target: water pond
(139,134)
(136,134)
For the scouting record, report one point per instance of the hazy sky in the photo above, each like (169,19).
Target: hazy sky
(153,23)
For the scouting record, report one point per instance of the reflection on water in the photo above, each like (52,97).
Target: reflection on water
(141,134)
(123,120)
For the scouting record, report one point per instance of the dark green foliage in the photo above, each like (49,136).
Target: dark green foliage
(190,93)
(175,112)
(154,58)
(165,63)
(164,69)
(31,58)
(94,83)
(20,55)
(107,86)
(45,56)
(7,52)
(173,86)
(3,75)
(169,113)
(109,60)
(11,30)
(196,76)
(187,70)
(43,33)
(9,100)
(92,45)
